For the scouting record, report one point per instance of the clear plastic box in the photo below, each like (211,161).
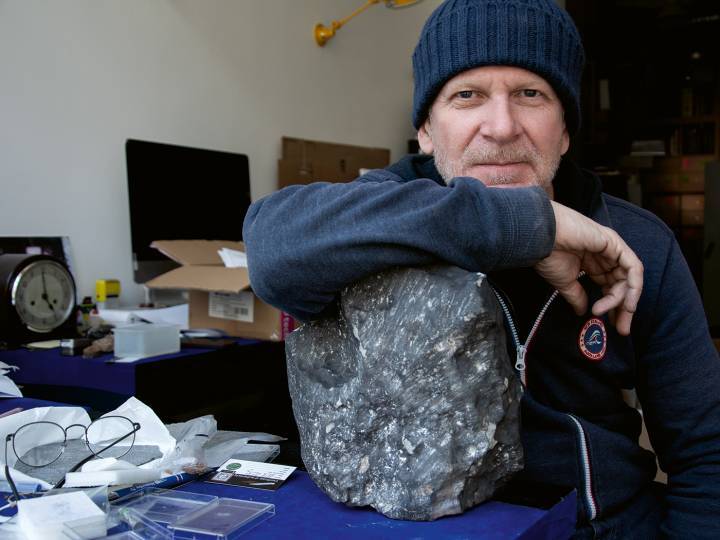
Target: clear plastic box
(146,340)
(159,514)
(138,527)
(224,519)
(163,505)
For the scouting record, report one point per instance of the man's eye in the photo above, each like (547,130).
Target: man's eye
(529,92)
(465,94)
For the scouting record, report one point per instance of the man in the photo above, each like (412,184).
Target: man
(496,101)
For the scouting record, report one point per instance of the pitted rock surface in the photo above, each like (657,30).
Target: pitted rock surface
(406,400)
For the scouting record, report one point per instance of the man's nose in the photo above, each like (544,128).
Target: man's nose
(499,122)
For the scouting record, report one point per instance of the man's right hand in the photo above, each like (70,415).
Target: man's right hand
(584,245)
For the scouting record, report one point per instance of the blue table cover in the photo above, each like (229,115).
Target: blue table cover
(49,367)
(7,404)
(302,510)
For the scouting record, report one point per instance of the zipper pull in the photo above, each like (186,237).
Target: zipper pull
(520,358)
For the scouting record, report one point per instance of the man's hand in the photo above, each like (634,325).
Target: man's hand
(582,244)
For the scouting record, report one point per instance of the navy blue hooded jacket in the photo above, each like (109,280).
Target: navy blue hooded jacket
(306,243)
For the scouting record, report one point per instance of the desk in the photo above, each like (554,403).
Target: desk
(245,386)
(302,510)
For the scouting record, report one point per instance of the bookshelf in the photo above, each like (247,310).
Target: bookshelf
(653,74)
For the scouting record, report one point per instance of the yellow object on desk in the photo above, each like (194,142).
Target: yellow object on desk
(107,288)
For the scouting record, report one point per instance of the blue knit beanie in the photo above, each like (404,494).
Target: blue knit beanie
(536,35)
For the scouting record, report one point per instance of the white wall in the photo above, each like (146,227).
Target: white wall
(78,77)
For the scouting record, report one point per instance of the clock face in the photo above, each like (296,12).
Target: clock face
(43,294)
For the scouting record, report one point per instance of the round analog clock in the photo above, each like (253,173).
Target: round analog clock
(38,297)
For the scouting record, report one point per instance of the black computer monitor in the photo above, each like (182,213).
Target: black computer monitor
(182,193)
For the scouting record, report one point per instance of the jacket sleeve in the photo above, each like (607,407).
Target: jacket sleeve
(306,243)
(679,388)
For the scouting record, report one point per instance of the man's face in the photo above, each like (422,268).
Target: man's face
(502,125)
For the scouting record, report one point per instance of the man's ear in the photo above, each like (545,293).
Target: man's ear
(424,139)
(565,144)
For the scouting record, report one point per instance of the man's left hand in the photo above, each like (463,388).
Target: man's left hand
(584,245)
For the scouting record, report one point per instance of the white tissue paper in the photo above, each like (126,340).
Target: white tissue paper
(191,437)
(7,368)
(7,386)
(152,432)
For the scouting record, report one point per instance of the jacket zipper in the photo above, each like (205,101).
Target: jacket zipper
(521,351)
(521,348)
(585,455)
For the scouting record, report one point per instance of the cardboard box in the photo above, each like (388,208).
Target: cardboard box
(220,297)
(305,161)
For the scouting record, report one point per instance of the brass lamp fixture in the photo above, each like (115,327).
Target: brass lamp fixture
(324,33)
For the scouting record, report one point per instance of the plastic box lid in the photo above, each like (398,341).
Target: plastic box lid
(164,505)
(224,519)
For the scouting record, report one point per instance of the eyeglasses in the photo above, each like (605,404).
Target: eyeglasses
(39,444)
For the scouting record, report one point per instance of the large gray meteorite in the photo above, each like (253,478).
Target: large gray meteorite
(406,400)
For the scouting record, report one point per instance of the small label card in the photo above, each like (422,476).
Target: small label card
(254,474)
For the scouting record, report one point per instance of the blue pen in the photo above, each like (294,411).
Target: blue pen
(164,483)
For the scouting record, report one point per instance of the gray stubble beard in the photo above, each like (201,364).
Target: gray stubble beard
(515,152)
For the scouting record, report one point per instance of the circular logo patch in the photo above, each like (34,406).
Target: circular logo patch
(593,340)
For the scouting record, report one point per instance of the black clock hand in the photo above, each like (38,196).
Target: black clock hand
(45,294)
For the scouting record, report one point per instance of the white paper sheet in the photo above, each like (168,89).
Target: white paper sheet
(233,258)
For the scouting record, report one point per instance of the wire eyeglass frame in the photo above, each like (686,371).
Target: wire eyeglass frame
(134,428)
